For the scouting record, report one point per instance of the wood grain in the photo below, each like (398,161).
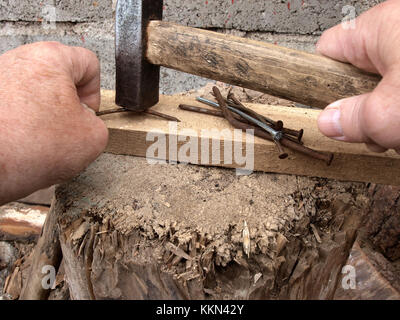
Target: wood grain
(47,253)
(353,162)
(298,76)
(376,278)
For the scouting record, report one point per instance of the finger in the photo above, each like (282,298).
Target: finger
(340,120)
(351,45)
(380,116)
(86,107)
(86,75)
(370,118)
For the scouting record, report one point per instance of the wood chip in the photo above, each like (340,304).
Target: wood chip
(246,240)
(315,231)
(177,251)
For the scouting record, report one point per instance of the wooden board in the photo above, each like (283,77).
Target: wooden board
(353,162)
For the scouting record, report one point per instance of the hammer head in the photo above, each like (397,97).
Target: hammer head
(137,80)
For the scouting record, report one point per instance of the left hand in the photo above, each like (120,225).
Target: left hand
(47,135)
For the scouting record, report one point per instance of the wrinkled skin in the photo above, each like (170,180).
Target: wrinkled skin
(48,129)
(373,46)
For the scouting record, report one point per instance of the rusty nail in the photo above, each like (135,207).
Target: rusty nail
(282,153)
(278,125)
(276,135)
(152,112)
(294,133)
(326,157)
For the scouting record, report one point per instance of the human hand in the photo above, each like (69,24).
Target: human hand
(47,135)
(373,46)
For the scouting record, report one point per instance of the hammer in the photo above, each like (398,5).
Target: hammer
(144,43)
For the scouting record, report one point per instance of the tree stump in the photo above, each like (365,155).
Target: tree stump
(130,230)
(376,253)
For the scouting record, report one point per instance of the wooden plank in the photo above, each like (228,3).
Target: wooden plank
(353,162)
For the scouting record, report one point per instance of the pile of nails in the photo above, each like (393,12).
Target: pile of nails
(244,118)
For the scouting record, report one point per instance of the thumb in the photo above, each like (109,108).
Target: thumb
(370,118)
(341,120)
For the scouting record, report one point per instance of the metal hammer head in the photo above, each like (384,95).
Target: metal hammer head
(137,85)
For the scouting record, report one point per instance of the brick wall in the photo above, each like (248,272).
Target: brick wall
(89,23)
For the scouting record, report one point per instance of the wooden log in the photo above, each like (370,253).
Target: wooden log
(176,232)
(47,253)
(130,230)
(382,223)
(376,252)
(13,283)
(129,135)
(298,76)
(375,278)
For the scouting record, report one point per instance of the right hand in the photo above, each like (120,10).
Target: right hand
(374,46)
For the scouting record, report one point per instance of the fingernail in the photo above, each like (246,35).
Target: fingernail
(335,105)
(329,123)
(341,138)
(87,107)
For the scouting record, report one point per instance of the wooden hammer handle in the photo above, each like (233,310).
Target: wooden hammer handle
(306,78)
